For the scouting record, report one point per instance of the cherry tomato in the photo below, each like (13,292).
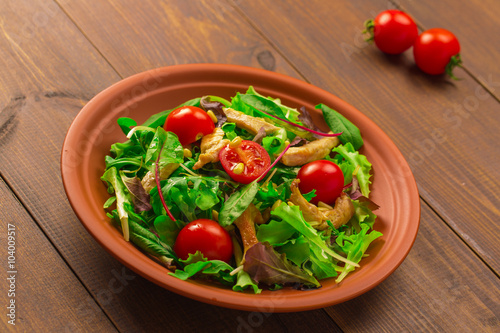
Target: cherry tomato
(393,31)
(323,176)
(435,50)
(246,162)
(206,236)
(190,123)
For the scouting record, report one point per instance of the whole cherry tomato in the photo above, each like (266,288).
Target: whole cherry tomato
(437,51)
(323,176)
(244,162)
(206,236)
(393,31)
(190,123)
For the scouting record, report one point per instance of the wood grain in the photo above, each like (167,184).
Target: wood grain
(170,32)
(52,83)
(54,56)
(440,287)
(42,299)
(446,130)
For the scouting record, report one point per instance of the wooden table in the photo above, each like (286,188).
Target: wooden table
(56,55)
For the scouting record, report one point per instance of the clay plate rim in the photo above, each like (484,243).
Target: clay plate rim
(94,130)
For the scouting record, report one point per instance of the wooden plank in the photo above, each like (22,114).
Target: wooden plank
(34,297)
(425,116)
(470,21)
(440,287)
(170,32)
(52,83)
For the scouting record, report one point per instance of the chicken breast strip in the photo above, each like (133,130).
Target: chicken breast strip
(338,216)
(312,151)
(211,145)
(249,123)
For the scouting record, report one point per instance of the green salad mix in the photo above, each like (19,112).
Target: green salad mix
(246,192)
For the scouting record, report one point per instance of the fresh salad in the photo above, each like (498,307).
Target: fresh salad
(246,193)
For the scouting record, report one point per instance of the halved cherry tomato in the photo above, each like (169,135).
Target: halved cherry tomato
(245,162)
(323,176)
(393,31)
(190,123)
(206,236)
(437,51)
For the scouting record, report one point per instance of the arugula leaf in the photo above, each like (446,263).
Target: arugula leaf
(125,123)
(289,113)
(167,229)
(359,164)
(267,196)
(236,204)
(338,123)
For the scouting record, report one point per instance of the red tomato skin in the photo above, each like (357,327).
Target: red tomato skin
(189,123)
(253,155)
(394,31)
(433,50)
(323,176)
(206,236)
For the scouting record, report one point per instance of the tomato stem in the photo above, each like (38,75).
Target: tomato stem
(369,29)
(454,62)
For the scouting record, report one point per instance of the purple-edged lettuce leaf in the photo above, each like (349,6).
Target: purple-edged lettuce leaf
(265,265)
(140,198)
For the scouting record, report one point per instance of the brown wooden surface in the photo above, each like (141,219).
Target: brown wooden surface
(56,55)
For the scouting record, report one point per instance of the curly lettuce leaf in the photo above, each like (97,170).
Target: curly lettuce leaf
(359,163)
(198,264)
(275,232)
(293,216)
(244,282)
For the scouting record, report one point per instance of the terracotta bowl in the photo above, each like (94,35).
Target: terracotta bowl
(94,130)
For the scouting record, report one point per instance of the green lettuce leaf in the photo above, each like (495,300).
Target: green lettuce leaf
(116,186)
(293,216)
(338,123)
(359,163)
(172,151)
(236,204)
(265,265)
(198,264)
